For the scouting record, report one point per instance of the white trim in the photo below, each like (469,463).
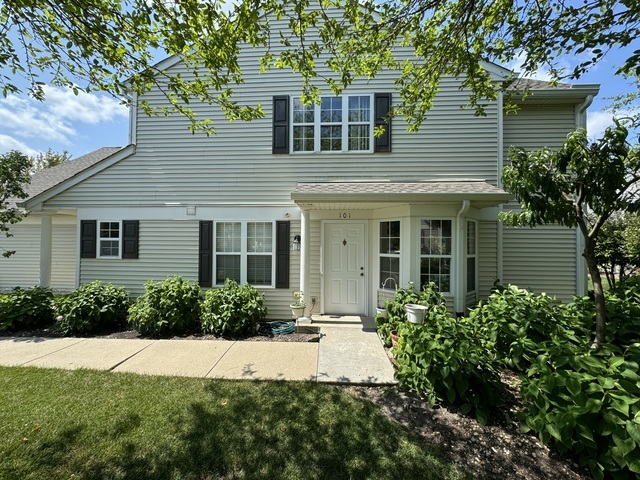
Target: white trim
(467,256)
(98,239)
(133,120)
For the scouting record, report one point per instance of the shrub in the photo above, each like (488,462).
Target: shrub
(518,321)
(232,309)
(91,308)
(396,313)
(168,307)
(26,308)
(587,401)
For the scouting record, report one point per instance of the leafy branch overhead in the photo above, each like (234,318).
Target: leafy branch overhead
(111,45)
(14,175)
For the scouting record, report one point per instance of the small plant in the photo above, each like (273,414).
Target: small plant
(232,309)
(26,308)
(91,308)
(168,307)
(298,300)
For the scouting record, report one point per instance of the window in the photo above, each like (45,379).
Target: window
(435,253)
(338,124)
(109,240)
(244,252)
(472,256)
(389,255)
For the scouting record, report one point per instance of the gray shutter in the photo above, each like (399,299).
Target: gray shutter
(282,253)
(280,124)
(88,238)
(205,254)
(382,108)
(130,230)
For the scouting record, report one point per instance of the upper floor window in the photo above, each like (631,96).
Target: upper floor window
(337,124)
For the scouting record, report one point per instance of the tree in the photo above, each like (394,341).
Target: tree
(618,247)
(49,159)
(109,45)
(581,185)
(14,175)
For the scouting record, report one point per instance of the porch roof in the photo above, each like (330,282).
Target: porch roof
(371,194)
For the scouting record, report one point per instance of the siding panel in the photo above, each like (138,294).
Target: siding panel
(487,257)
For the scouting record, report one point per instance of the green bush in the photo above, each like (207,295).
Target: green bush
(26,308)
(91,308)
(587,401)
(232,310)
(518,321)
(168,307)
(396,313)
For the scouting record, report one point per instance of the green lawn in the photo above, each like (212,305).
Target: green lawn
(101,425)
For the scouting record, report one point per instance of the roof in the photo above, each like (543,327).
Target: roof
(479,192)
(50,177)
(531,84)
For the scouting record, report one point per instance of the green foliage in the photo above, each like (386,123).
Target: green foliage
(14,176)
(587,401)
(396,313)
(26,308)
(449,360)
(93,307)
(618,247)
(48,159)
(232,310)
(518,322)
(168,307)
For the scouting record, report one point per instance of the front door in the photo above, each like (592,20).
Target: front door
(344,264)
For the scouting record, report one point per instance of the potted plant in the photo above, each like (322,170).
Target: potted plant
(298,305)
(381,309)
(415,312)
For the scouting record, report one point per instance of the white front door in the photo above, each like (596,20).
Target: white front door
(344,268)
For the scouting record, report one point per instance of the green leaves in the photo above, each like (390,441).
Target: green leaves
(26,308)
(14,177)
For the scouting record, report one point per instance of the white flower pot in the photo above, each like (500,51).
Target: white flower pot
(382,312)
(415,313)
(297,312)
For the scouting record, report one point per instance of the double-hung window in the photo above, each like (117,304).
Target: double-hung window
(390,255)
(109,240)
(472,256)
(244,252)
(435,253)
(337,124)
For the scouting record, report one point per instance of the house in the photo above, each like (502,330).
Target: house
(308,199)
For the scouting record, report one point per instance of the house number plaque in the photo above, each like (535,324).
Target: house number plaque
(344,215)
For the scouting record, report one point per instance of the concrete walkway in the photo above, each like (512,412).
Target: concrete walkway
(349,352)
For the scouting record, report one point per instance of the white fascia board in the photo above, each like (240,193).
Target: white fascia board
(577,92)
(35,203)
(497,71)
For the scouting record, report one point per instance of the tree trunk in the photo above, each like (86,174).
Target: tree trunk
(598,292)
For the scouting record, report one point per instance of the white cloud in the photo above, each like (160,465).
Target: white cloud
(597,122)
(564,64)
(8,143)
(56,119)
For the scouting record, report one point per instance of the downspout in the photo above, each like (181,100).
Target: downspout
(581,266)
(458,301)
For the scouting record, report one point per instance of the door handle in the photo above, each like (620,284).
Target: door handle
(362,274)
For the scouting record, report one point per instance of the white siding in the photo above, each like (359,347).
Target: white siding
(487,257)
(278,300)
(64,254)
(541,259)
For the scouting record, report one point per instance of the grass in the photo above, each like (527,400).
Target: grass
(98,425)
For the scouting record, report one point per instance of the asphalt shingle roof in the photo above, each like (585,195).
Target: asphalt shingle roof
(428,187)
(50,177)
(528,83)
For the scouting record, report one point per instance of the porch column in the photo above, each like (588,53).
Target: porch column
(45,250)
(304,252)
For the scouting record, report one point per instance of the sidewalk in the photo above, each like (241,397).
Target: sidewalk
(349,352)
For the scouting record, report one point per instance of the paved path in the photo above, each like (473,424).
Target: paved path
(349,352)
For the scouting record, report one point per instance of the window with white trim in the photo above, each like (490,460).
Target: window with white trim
(472,256)
(244,252)
(435,253)
(390,254)
(337,124)
(109,239)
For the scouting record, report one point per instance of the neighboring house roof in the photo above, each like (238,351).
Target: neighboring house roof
(479,192)
(50,177)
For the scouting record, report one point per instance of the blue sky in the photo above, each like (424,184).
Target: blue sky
(83,123)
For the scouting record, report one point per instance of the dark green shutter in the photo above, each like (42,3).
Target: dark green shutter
(88,239)
(130,230)
(382,109)
(282,254)
(205,254)
(281,124)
